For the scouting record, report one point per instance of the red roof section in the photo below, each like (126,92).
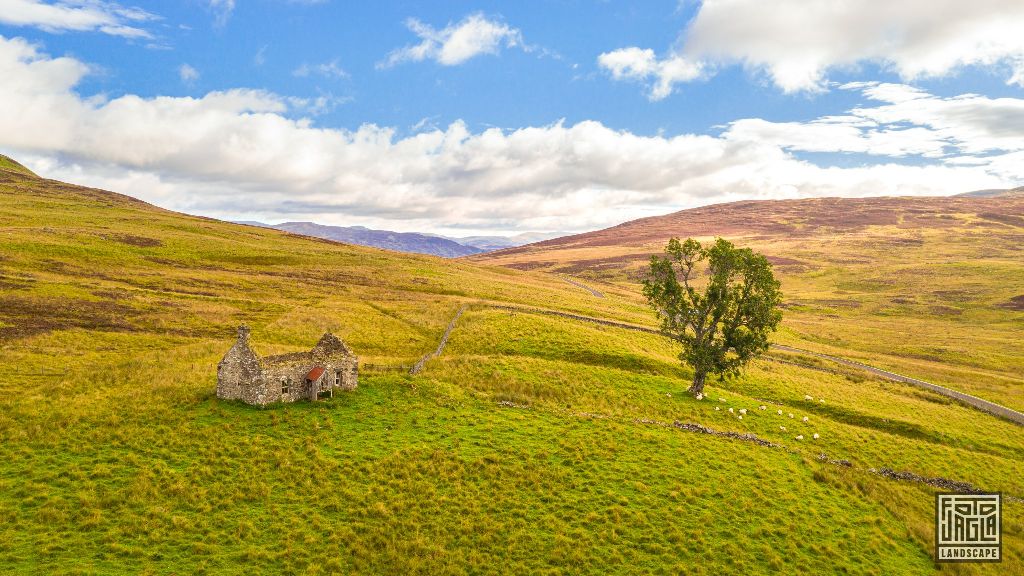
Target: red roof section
(315,373)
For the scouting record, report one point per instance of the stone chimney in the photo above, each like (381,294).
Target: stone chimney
(243,333)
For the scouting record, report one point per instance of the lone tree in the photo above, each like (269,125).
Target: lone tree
(722,317)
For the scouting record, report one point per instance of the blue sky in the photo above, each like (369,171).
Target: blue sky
(470,117)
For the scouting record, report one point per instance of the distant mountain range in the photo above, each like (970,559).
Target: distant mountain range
(444,246)
(489,243)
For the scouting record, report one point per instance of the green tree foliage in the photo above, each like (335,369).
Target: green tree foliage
(722,317)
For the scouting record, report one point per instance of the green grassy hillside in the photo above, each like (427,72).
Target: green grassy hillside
(534,444)
(9,165)
(929,287)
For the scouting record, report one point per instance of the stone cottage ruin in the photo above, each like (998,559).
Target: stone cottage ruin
(244,375)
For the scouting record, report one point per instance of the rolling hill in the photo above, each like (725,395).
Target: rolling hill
(535,443)
(995,193)
(931,286)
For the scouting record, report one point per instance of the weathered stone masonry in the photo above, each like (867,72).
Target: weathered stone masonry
(244,375)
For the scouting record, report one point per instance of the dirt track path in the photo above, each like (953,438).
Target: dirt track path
(583,286)
(979,403)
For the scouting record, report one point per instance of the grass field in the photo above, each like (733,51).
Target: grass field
(929,287)
(533,444)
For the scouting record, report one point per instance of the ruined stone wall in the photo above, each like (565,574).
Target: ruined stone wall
(243,375)
(342,371)
(240,372)
(349,373)
(339,363)
(257,393)
(293,371)
(335,367)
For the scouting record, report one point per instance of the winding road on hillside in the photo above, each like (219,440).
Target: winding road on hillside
(974,401)
(583,286)
(979,403)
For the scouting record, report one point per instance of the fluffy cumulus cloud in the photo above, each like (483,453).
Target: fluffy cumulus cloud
(455,43)
(76,15)
(797,42)
(908,122)
(641,64)
(246,154)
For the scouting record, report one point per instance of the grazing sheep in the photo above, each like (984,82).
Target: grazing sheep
(730,410)
(721,399)
(816,436)
(700,396)
(800,437)
(822,400)
(717,408)
(783,428)
(790,414)
(780,412)
(763,407)
(740,417)
(805,418)
(808,397)
(743,410)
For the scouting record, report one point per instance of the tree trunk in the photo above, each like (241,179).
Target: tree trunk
(698,383)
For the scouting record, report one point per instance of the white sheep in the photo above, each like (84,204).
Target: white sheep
(790,414)
(740,417)
(783,428)
(700,396)
(730,410)
(780,412)
(669,394)
(805,418)
(763,407)
(743,410)
(717,408)
(808,397)
(816,436)
(800,437)
(822,400)
(721,399)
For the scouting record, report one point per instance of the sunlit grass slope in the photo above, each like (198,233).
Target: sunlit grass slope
(534,444)
(930,287)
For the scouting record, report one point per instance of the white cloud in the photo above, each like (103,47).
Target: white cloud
(455,43)
(327,70)
(911,122)
(243,154)
(637,64)
(188,74)
(798,42)
(222,10)
(261,56)
(76,15)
